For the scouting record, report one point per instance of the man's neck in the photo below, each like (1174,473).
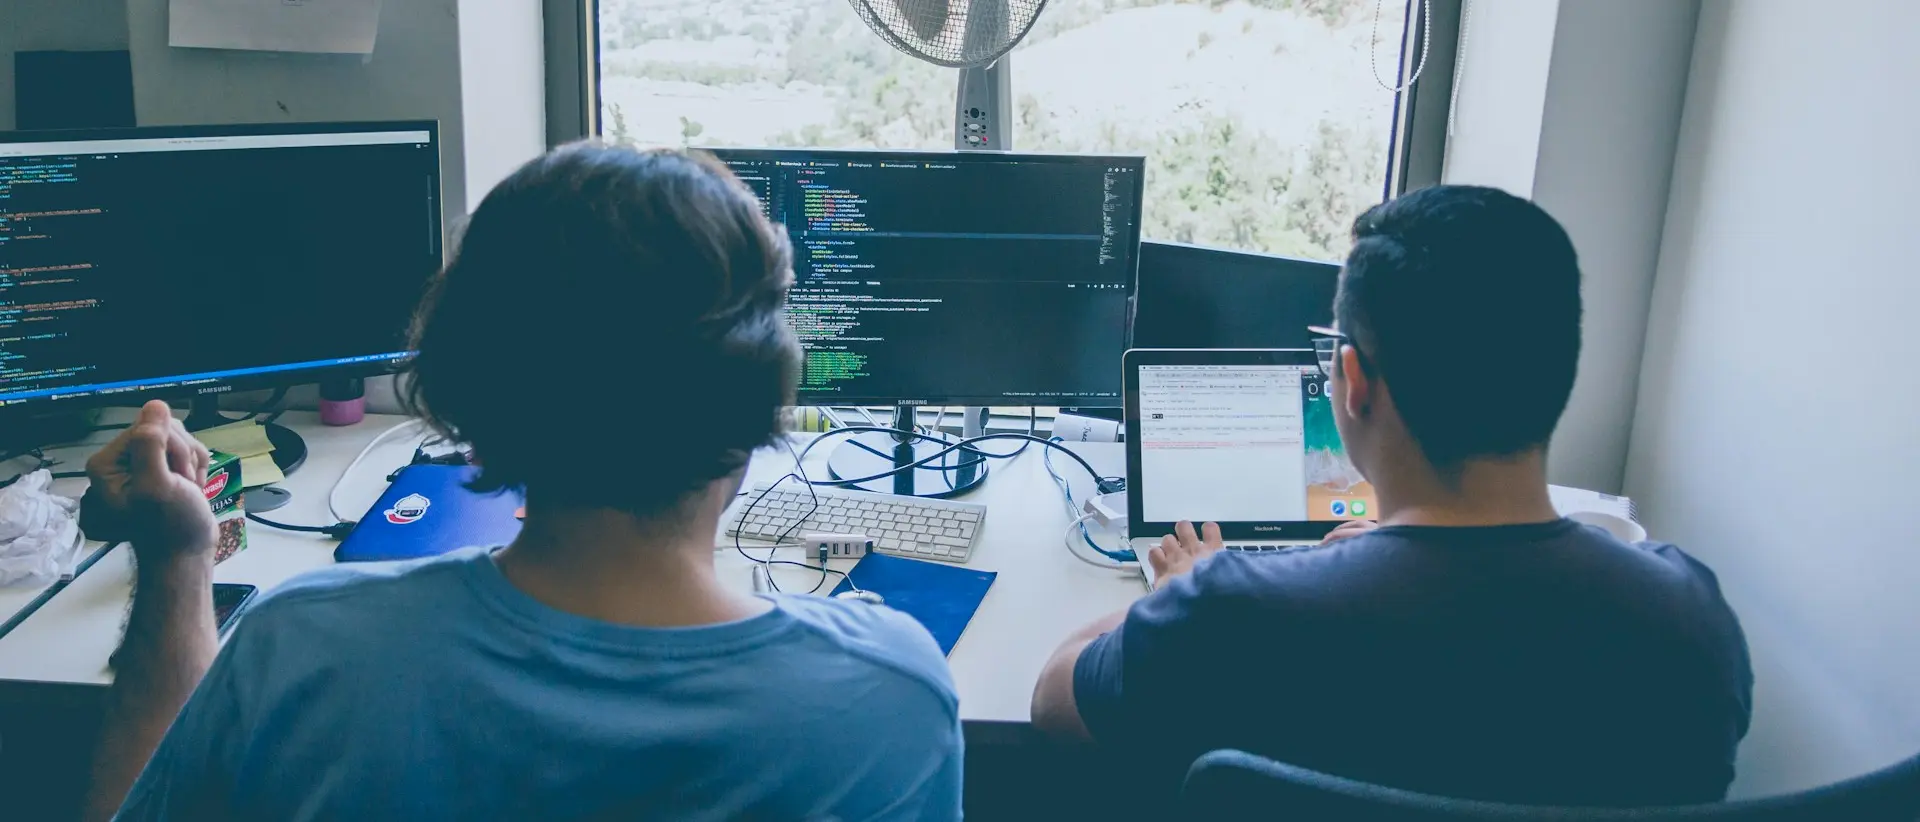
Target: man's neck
(613,567)
(1503,491)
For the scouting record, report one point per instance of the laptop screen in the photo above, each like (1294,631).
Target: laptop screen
(1243,443)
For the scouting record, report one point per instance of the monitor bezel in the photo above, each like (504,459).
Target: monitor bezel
(1135,162)
(187,386)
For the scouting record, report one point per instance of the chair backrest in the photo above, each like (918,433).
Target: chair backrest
(1234,785)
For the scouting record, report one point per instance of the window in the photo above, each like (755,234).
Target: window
(1263,124)
(763,73)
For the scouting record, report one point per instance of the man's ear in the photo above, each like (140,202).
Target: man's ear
(1359,383)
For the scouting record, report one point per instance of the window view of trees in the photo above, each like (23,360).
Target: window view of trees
(1262,122)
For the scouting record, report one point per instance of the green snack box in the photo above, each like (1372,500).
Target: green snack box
(229,511)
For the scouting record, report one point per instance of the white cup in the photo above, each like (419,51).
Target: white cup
(1622,529)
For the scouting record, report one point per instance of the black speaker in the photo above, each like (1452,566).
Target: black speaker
(72,89)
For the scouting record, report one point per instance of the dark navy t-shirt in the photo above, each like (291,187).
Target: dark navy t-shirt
(1546,663)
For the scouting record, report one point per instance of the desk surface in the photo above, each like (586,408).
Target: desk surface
(1041,595)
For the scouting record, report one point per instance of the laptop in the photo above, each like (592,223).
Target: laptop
(428,511)
(1244,438)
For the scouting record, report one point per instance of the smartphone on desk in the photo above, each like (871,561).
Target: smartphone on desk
(228,599)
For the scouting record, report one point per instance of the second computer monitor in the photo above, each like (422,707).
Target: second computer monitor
(1194,297)
(955,278)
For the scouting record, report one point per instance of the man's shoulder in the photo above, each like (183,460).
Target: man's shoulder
(361,587)
(874,635)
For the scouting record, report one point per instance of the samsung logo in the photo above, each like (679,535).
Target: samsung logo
(216,389)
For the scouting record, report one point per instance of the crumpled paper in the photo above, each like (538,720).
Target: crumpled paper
(39,534)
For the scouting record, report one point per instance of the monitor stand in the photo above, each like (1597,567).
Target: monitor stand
(289,450)
(875,452)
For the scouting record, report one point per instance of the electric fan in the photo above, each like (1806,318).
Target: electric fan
(971,35)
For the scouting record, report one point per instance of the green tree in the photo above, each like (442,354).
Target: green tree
(1340,182)
(616,128)
(689,130)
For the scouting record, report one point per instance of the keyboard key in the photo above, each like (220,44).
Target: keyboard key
(955,542)
(967,516)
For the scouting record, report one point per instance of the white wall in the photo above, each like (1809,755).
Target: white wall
(55,25)
(1501,81)
(1610,122)
(1777,435)
(503,81)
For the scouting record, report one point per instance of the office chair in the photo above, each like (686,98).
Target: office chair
(1234,785)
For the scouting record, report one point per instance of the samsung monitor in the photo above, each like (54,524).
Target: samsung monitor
(193,261)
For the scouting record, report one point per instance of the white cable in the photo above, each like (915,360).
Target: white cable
(333,503)
(1073,530)
(1459,62)
(1426,44)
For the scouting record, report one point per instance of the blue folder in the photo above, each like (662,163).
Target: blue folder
(942,597)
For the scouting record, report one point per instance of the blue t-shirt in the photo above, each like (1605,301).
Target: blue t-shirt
(1546,664)
(437,690)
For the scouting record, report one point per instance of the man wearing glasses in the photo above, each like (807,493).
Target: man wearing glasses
(1471,642)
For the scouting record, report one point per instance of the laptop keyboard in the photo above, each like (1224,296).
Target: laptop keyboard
(1257,549)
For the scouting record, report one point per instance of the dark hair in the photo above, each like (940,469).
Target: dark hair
(1466,300)
(596,293)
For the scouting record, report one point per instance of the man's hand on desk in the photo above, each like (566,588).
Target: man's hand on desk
(1179,550)
(146,490)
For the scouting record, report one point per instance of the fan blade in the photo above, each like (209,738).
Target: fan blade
(927,18)
(986,29)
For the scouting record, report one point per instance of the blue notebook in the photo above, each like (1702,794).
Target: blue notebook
(428,511)
(942,597)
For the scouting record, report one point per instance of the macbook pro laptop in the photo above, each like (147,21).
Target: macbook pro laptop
(1244,438)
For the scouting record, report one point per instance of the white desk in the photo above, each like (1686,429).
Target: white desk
(1042,592)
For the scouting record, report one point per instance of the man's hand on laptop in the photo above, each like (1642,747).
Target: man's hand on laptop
(1180,550)
(1350,529)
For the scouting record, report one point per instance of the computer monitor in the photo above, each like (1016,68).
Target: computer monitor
(954,278)
(196,261)
(951,279)
(1194,297)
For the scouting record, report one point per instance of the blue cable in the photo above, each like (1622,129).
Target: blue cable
(1046,458)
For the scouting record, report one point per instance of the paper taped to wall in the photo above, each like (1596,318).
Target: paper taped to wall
(314,26)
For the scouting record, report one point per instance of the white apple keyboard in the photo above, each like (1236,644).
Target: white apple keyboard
(914,527)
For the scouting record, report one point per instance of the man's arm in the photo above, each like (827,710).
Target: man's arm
(145,490)
(1055,708)
(169,644)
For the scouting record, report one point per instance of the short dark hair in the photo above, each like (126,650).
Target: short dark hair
(1447,286)
(595,293)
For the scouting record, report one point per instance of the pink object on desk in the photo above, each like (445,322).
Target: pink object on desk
(343,412)
(343,402)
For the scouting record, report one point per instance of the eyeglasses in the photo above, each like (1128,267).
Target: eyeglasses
(1326,348)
